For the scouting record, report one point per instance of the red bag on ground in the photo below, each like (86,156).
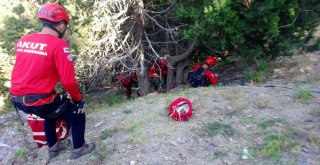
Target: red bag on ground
(36,124)
(180,109)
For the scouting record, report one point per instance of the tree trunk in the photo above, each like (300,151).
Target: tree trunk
(173,60)
(181,70)
(144,84)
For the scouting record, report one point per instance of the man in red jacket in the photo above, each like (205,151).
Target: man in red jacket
(128,80)
(203,75)
(158,75)
(43,59)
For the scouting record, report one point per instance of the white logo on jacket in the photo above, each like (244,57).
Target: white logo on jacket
(31,47)
(66,50)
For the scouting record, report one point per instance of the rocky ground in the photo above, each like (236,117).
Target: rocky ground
(276,125)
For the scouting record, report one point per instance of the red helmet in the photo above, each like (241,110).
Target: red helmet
(180,109)
(210,60)
(53,12)
(195,66)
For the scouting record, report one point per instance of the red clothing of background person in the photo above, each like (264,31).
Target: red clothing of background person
(213,78)
(203,75)
(128,80)
(158,74)
(157,69)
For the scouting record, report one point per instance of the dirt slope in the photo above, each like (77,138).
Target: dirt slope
(140,132)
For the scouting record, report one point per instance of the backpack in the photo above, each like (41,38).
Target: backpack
(197,78)
(37,127)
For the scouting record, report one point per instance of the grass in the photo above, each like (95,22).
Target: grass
(133,127)
(21,153)
(103,151)
(108,133)
(275,145)
(137,135)
(268,123)
(5,105)
(260,74)
(315,112)
(304,95)
(127,111)
(216,128)
(109,101)
(220,154)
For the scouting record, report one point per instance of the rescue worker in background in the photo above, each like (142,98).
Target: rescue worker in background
(158,75)
(128,80)
(203,75)
(43,59)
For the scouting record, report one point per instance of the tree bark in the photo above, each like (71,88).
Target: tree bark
(144,84)
(173,60)
(181,70)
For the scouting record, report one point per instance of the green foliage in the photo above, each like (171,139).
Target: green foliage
(250,28)
(268,123)
(23,20)
(103,150)
(220,154)
(21,153)
(127,111)
(304,95)
(133,127)
(274,145)
(258,75)
(17,23)
(3,79)
(113,100)
(216,128)
(108,132)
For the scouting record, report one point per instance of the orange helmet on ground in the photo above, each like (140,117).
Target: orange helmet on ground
(53,12)
(210,60)
(180,109)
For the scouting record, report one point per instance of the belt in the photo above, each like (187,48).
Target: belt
(35,99)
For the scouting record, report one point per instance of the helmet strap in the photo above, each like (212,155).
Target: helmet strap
(60,35)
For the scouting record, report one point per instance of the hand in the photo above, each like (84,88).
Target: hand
(69,96)
(216,75)
(80,105)
(155,75)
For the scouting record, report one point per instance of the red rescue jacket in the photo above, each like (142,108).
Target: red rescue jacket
(160,68)
(208,73)
(41,61)
(126,78)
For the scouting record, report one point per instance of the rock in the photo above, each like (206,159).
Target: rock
(9,157)
(132,162)
(4,145)
(154,148)
(173,143)
(98,124)
(181,140)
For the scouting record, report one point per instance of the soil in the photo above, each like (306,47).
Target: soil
(139,131)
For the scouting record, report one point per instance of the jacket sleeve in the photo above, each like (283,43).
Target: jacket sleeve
(65,67)
(212,78)
(152,70)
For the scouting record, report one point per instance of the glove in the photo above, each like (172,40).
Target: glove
(80,104)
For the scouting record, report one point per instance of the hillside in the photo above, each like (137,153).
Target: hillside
(278,125)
